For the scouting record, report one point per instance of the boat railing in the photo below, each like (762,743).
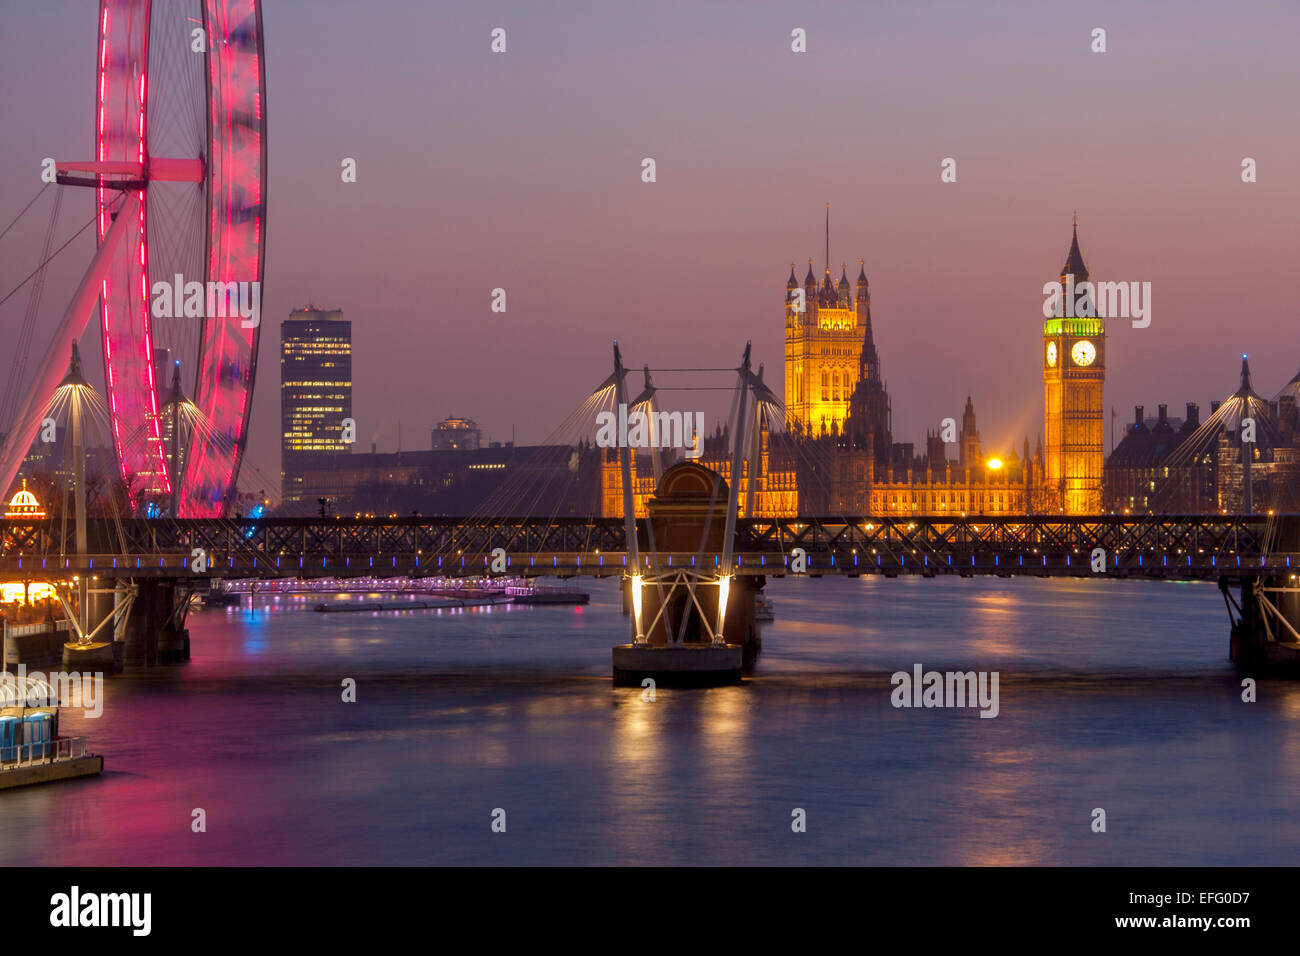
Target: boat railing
(43,751)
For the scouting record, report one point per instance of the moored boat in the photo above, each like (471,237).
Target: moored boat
(31,750)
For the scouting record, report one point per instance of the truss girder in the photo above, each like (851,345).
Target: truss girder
(1198,542)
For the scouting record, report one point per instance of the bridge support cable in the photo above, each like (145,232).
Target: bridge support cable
(523,495)
(50,258)
(646,398)
(520,500)
(22,212)
(23,343)
(70,328)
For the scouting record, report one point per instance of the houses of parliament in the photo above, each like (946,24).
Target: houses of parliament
(829,448)
(837,453)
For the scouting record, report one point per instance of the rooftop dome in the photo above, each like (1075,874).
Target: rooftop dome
(24,505)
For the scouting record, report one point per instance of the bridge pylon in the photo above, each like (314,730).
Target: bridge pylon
(691,624)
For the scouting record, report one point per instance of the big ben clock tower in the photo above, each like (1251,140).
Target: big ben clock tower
(1074,374)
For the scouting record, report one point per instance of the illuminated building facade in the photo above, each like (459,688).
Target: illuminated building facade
(838,455)
(456,434)
(839,475)
(827,346)
(860,481)
(1074,377)
(1169,466)
(315,395)
(24,505)
(846,459)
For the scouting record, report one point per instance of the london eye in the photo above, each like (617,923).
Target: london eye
(178,174)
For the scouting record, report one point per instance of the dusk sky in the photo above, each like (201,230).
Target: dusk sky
(522,171)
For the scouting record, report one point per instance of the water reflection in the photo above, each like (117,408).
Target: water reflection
(1126,704)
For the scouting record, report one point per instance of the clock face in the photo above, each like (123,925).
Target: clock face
(1083,352)
(1051,354)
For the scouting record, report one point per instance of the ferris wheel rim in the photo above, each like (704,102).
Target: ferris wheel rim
(232,181)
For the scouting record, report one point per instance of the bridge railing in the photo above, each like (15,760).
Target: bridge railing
(351,547)
(884,559)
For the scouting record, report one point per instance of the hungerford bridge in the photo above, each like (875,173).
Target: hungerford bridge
(691,569)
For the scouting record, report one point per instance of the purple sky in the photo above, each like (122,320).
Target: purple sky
(522,171)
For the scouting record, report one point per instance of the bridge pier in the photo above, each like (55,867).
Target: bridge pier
(147,628)
(89,642)
(691,626)
(682,646)
(97,656)
(1265,634)
(155,632)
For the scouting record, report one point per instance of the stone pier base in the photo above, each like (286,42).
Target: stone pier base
(680,665)
(103,656)
(1264,658)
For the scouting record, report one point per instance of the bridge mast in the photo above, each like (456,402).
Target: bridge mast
(725,572)
(737,463)
(1247,459)
(755,446)
(647,397)
(625,465)
(176,470)
(75,379)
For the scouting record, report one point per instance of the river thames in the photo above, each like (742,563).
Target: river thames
(1113,694)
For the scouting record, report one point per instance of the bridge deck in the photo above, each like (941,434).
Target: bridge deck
(1186,546)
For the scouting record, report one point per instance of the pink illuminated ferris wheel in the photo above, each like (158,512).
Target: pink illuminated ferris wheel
(179,174)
